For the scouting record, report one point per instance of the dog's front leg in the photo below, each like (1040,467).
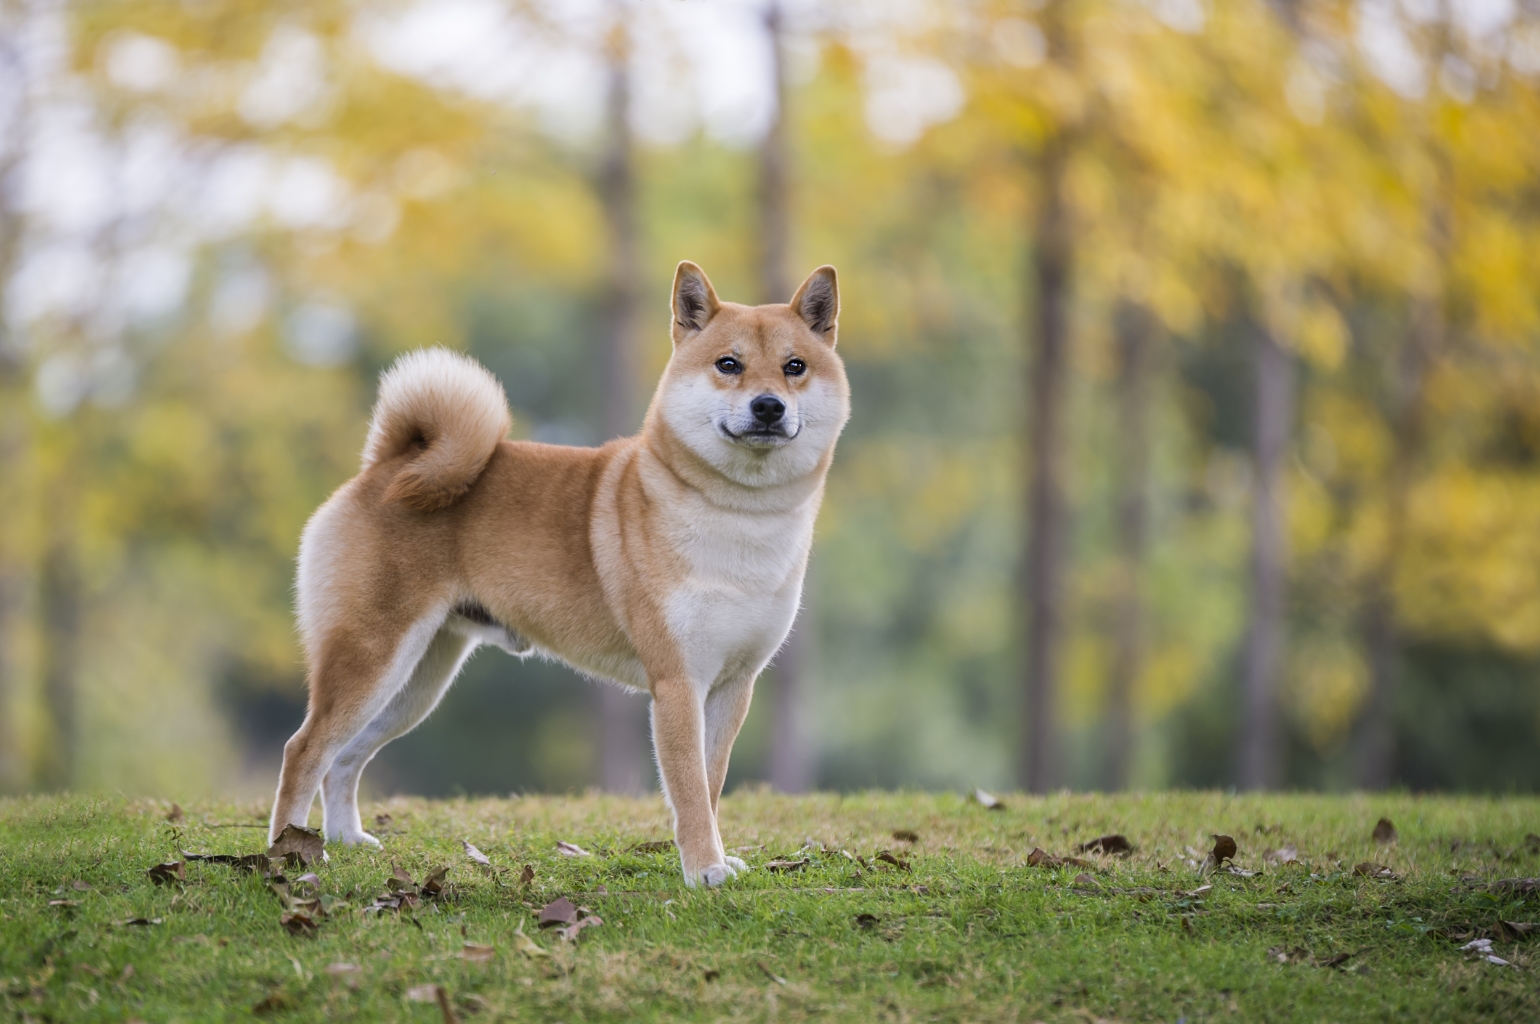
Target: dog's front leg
(678,736)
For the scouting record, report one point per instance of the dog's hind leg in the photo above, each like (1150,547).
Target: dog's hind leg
(351,683)
(411,704)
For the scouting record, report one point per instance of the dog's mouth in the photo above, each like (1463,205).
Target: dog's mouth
(759,435)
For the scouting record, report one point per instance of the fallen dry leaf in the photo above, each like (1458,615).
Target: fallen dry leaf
(571,850)
(382,821)
(1368,869)
(422,994)
(398,873)
(171,871)
(653,846)
(140,922)
(867,920)
(1384,831)
(1288,854)
(988,800)
(527,875)
(434,885)
(571,932)
(1224,849)
(297,845)
(250,862)
(888,858)
(712,974)
(1513,931)
(1525,886)
(559,911)
(526,945)
(1200,890)
(1039,858)
(300,925)
(906,835)
(80,886)
(477,954)
(475,854)
(272,1004)
(64,903)
(1531,843)
(783,866)
(1084,879)
(175,814)
(308,878)
(1114,844)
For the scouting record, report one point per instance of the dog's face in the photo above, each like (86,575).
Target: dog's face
(757,392)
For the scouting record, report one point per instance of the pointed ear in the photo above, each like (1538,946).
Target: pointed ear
(817,302)
(694,303)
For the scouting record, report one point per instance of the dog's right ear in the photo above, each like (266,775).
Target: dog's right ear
(695,301)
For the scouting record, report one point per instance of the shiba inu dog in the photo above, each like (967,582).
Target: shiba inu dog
(671,561)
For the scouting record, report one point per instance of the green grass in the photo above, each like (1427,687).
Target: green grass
(970,932)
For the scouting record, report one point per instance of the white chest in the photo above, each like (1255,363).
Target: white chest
(739,594)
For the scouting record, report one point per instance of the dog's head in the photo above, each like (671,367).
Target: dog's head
(757,392)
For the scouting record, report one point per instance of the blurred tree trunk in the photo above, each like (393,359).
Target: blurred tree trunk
(1376,725)
(621,716)
(1135,326)
(59,597)
(791,759)
(1041,581)
(1258,760)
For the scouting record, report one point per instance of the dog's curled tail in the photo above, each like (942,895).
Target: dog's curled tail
(448,409)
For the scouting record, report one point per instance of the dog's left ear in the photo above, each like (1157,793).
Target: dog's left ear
(817,302)
(694,303)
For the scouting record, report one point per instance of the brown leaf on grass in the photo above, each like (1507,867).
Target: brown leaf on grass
(712,974)
(1224,849)
(308,878)
(653,846)
(1368,869)
(1115,844)
(526,945)
(475,854)
(888,858)
(171,871)
(1335,960)
(988,800)
(382,821)
(527,875)
(80,886)
(781,867)
(867,921)
(571,932)
(1384,831)
(477,954)
(1531,843)
(1524,886)
(559,911)
(299,925)
(64,903)
(298,845)
(434,885)
(1288,854)
(175,814)
(140,922)
(1201,890)
(1085,879)
(1513,931)
(906,835)
(571,850)
(398,873)
(1039,858)
(274,1003)
(250,862)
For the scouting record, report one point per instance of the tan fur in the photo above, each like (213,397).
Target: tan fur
(671,561)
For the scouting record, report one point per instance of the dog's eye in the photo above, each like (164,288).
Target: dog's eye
(727,364)
(795,368)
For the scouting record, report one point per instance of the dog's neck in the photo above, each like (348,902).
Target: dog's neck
(695,473)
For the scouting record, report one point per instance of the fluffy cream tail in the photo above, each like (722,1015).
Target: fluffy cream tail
(448,409)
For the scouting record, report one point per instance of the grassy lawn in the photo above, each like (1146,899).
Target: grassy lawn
(961,928)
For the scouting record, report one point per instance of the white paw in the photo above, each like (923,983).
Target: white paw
(358,838)
(716,874)
(737,864)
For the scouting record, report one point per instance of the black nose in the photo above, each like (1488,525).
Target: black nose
(768,409)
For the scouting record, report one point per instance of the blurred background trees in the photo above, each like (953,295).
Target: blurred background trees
(1195,351)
